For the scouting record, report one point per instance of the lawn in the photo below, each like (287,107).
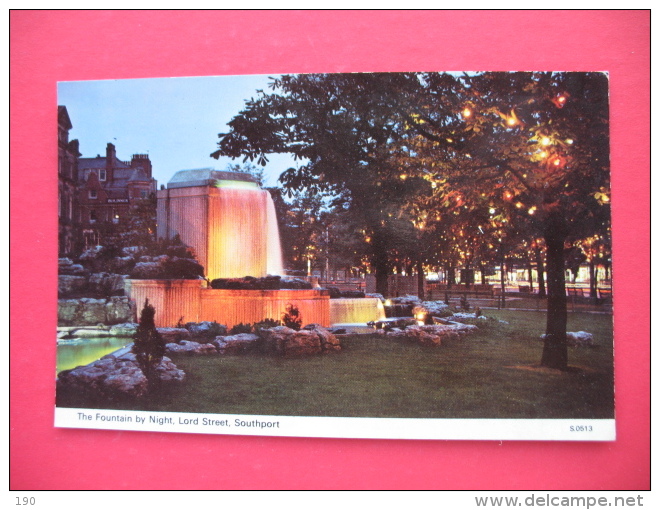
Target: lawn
(489,374)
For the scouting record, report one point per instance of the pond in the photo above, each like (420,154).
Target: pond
(84,351)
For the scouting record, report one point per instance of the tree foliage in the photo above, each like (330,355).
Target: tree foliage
(415,155)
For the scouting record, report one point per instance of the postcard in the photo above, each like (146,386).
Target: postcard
(420,255)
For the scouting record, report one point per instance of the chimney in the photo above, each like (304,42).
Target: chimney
(142,161)
(110,155)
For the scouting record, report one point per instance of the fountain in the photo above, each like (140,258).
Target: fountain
(226,218)
(230,223)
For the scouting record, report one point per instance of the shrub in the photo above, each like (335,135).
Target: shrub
(292,318)
(464,303)
(148,344)
(266,324)
(241,328)
(170,268)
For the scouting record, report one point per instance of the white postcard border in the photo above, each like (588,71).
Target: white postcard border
(574,429)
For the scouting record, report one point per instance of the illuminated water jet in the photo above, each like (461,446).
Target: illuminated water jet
(226,218)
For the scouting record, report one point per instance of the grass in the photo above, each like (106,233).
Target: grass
(489,374)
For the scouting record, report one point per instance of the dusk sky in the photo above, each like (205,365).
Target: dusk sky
(175,120)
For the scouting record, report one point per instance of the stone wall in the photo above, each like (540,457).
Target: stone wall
(90,312)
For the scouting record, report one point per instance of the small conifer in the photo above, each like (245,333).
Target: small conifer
(148,344)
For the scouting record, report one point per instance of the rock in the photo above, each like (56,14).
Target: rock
(69,284)
(174,334)
(169,373)
(90,312)
(206,329)
(191,347)
(91,253)
(329,342)
(109,284)
(437,308)
(131,382)
(233,344)
(119,309)
(126,329)
(67,311)
(274,338)
(67,267)
(432,335)
(461,316)
(113,376)
(577,339)
(302,342)
(146,270)
(93,311)
(90,333)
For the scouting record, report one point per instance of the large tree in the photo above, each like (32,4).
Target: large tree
(536,146)
(342,128)
(533,147)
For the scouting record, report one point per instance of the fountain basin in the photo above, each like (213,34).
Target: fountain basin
(191,301)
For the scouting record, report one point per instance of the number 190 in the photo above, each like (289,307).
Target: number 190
(25,501)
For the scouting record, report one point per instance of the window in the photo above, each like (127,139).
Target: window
(92,216)
(93,193)
(102,175)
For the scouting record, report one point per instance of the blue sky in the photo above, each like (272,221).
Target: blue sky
(175,120)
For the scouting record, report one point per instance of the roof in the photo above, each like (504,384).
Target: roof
(207,177)
(63,117)
(139,175)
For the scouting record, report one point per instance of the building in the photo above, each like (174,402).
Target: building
(67,183)
(108,187)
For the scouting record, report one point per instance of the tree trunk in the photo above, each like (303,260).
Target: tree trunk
(593,283)
(555,351)
(451,279)
(540,272)
(421,277)
(381,263)
(503,282)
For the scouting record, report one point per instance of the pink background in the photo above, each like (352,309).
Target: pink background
(47,47)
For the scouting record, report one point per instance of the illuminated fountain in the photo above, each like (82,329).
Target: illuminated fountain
(226,218)
(230,223)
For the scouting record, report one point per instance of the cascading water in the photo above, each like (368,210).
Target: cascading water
(356,310)
(274,265)
(226,218)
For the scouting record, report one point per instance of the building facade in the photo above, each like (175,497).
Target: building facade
(67,182)
(108,188)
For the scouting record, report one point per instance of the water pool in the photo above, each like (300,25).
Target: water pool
(84,351)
